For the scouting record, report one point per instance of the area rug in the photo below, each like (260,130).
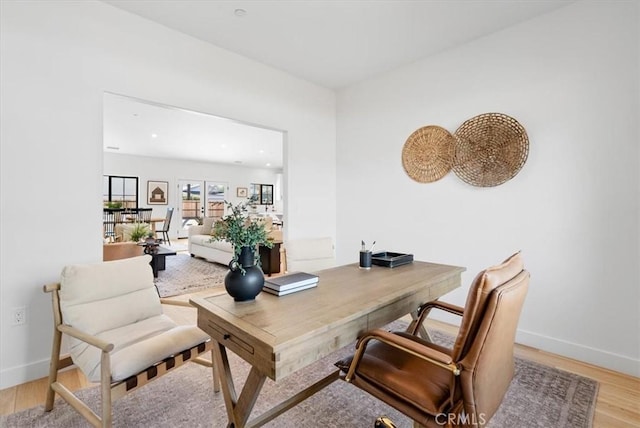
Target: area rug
(539,396)
(186,274)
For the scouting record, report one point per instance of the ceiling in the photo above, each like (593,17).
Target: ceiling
(336,43)
(331,43)
(142,128)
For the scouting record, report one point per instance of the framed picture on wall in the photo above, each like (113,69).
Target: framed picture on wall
(157,192)
(241,192)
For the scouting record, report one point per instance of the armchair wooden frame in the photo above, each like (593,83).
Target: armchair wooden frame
(110,391)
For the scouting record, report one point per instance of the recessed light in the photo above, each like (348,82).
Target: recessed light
(268,164)
(261,151)
(154,135)
(240,12)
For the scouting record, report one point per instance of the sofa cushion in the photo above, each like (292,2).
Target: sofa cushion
(207,225)
(206,241)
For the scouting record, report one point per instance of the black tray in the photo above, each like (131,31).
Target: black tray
(389,259)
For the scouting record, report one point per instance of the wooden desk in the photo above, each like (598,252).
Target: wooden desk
(279,335)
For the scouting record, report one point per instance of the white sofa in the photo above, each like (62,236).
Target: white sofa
(201,244)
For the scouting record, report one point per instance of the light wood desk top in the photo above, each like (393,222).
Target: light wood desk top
(279,335)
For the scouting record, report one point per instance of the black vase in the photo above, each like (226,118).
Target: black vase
(244,286)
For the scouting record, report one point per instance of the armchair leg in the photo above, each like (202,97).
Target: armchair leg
(53,369)
(214,372)
(105,389)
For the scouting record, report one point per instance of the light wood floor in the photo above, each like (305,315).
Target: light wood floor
(618,402)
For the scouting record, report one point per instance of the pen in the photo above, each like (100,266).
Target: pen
(363,246)
(372,245)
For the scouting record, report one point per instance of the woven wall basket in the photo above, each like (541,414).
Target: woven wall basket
(490,149)
(428,154)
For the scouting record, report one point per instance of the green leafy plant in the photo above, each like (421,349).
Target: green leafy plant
(113,204)
(240,230)
(139,231)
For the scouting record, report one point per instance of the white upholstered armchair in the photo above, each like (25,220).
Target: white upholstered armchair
(118,334)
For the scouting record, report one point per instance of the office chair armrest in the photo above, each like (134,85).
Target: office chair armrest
(404,344)
(85,337)
(425,309)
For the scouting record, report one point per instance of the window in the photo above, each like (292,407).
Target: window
(261,193)
(120,192)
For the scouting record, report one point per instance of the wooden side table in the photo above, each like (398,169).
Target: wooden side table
(270,258)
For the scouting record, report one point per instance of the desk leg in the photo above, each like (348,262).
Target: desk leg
(238,411)
(422,332)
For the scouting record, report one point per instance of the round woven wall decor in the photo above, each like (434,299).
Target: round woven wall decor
(428,154)
(491,149)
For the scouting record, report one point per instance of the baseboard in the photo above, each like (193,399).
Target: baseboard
(586,354)
(597,357)
(22,374)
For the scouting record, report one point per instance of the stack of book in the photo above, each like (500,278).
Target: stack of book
(290,283)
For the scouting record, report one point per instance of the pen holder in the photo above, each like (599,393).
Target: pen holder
(365,259)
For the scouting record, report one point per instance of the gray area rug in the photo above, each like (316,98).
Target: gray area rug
(539,396)
(186,274)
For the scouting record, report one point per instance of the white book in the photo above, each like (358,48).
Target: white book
(292,280)
(288,291)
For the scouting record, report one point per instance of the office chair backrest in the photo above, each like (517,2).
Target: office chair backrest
(477,298)
(484,346)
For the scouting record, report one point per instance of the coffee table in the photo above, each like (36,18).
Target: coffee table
(158,256)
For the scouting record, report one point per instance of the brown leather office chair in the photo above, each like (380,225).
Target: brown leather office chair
(436,386)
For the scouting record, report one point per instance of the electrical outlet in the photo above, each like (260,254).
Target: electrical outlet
(19,316)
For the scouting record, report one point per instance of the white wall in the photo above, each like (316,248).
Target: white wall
(571,79)
(58,58)
(172,170)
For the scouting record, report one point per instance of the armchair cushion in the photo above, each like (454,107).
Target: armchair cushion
(137,347)
(123,289)
(117,302)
